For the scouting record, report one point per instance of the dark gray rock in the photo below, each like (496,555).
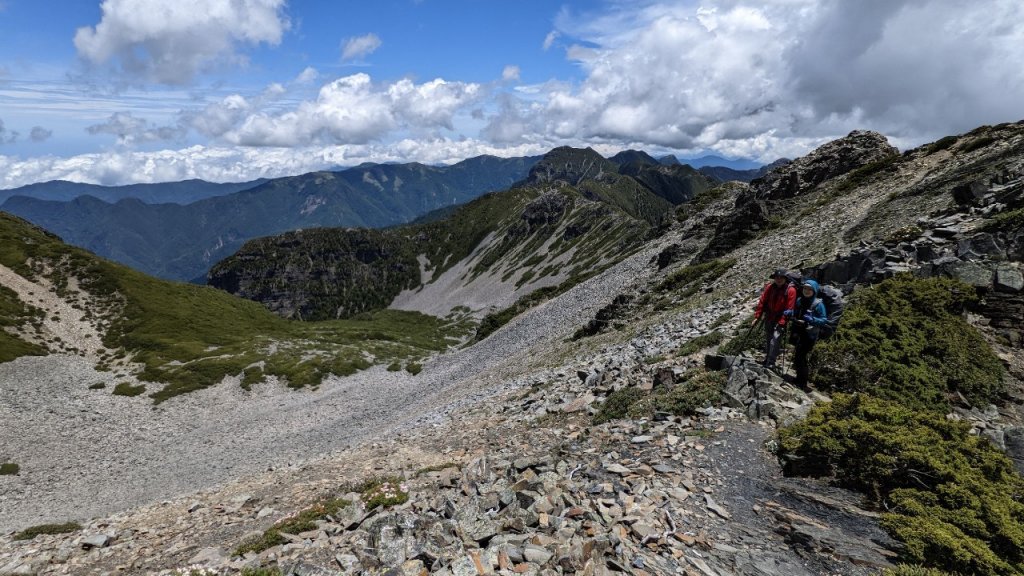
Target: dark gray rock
(1009,279)
(834,159)
(972,273)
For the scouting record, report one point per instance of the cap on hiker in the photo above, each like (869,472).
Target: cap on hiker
(778,272)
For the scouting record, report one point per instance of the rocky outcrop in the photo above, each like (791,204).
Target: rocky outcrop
(753,212)
(320,274)
(570,165)
(858,149)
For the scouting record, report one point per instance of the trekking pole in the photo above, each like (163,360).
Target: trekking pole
(784,339)
(746,336)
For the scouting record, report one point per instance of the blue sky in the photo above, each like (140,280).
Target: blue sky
(119,91)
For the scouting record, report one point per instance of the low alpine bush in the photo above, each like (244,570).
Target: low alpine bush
(953,499)
(906,340)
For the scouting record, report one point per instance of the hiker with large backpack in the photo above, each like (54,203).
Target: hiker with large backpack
(778,296)
(810,318)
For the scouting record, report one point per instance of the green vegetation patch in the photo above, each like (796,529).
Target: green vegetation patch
(977,144)
(127,389)
(953,499)
(1007,221)
(701,342)
(721,320)
(913,570)
(698,389)
(389,491)
(9,469)
(303,521)
(30,533)
(906,340)
(942,144)
(16,314)
(699,202)
(190,337)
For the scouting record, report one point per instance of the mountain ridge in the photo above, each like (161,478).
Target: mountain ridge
(181,242)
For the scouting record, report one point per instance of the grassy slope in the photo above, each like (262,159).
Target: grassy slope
(190,337)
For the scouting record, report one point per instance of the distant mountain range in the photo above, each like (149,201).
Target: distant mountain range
(710,160)
(181,242)
(184,192)
(178,230)
(573,216)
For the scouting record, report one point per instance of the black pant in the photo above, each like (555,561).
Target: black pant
(803,343)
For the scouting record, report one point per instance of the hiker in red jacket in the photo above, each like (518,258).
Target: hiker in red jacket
(777,297)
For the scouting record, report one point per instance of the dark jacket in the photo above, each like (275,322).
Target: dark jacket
(774,302)
(813,307)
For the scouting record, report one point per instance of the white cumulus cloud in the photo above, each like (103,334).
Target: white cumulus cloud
(172,42)
(351,110)
(360,46)
(734,75)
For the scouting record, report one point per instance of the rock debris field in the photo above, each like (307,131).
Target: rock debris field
(85,452)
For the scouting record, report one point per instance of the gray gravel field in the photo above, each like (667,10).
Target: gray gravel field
(85,453)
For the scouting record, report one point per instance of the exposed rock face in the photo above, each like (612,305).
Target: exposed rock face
(836,158)
(300,274)
(752,210)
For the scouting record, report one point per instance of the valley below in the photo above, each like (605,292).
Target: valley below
(92,453)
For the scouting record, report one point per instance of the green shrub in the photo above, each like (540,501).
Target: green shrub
(977,144)
(721,320)
(303,521)
(697,389)
(30,533)
(126,389)
(942,144)
(414,368)
(905,340)
(655,359)
(1007,221)
(701,342)
(913,570)
(252,376)
(953,499)
(9,469)
(617,404)
(98,386)
(394,367)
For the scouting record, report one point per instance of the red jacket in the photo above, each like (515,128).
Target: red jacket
(774,301)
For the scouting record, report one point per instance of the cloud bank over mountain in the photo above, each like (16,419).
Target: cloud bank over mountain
(758,80)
